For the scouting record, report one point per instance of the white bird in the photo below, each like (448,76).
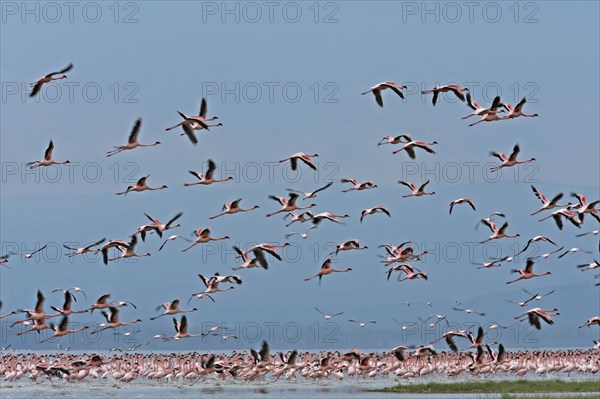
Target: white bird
(303,235)
(328,316)
(362,324)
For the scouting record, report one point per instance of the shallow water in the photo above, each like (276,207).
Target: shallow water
(217,389)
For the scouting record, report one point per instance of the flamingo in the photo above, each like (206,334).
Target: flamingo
(66,309)
(534,315)
(141,186)
(488,115)
(526,273)
(408,270)
(358,186)
(372,211)
(378,88)
(260,249)
(233,207)
(494,263)
(158,226)
(536,239)
(498,233)
(312,194)
(203,236)
(37,85)
(172,308)
(113,321)
(119,244)
(457,90)
(525,302)
(306,158)
(546,203)
(181,330)
(400,139)
(481,111)
(567,214)
(318,218)
(585,207)
(595,320)
(84,250)
(63,329)
(208,178)
(410,147)
(288,205)
(132,142)
(212,287)
(31,254)
(327,269)
(47,161)
(248,263)
(572,251)
(189,124)
(489,220)
(461,201)
(517,111)
(416,192)
(509,161)
(129,250)
(351,245)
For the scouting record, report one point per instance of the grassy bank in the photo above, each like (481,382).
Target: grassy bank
(504,387)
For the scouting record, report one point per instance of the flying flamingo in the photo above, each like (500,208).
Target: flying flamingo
(585,207)
(312,194)
(233,207)
(288,205)
(306,158)
(189,124)
(327,269)
(416,192)
(509,161)
(113,321)
(546,203)
(37,86)
(352,245)
(410,147)
(536,239)
(372,211)
(158,226)
(378,88)
(526,273)
(534,315)
(141,186)
(517,111)
(47,161)
(129,250)
(498,233)
(478,110)
(457,90)
(362,324)
(248,263)
(203,236)
(84,250)
(208,178)
(172,308)
(358,186)
(318,218)
(132,142)
(559,214)
(63,329)
(400,139)
(461,201)
(66,309)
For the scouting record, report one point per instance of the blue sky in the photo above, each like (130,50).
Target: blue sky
(169,55)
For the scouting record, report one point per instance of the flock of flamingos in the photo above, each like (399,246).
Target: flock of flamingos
(400,260)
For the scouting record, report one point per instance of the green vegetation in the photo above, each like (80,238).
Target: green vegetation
(504,387)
